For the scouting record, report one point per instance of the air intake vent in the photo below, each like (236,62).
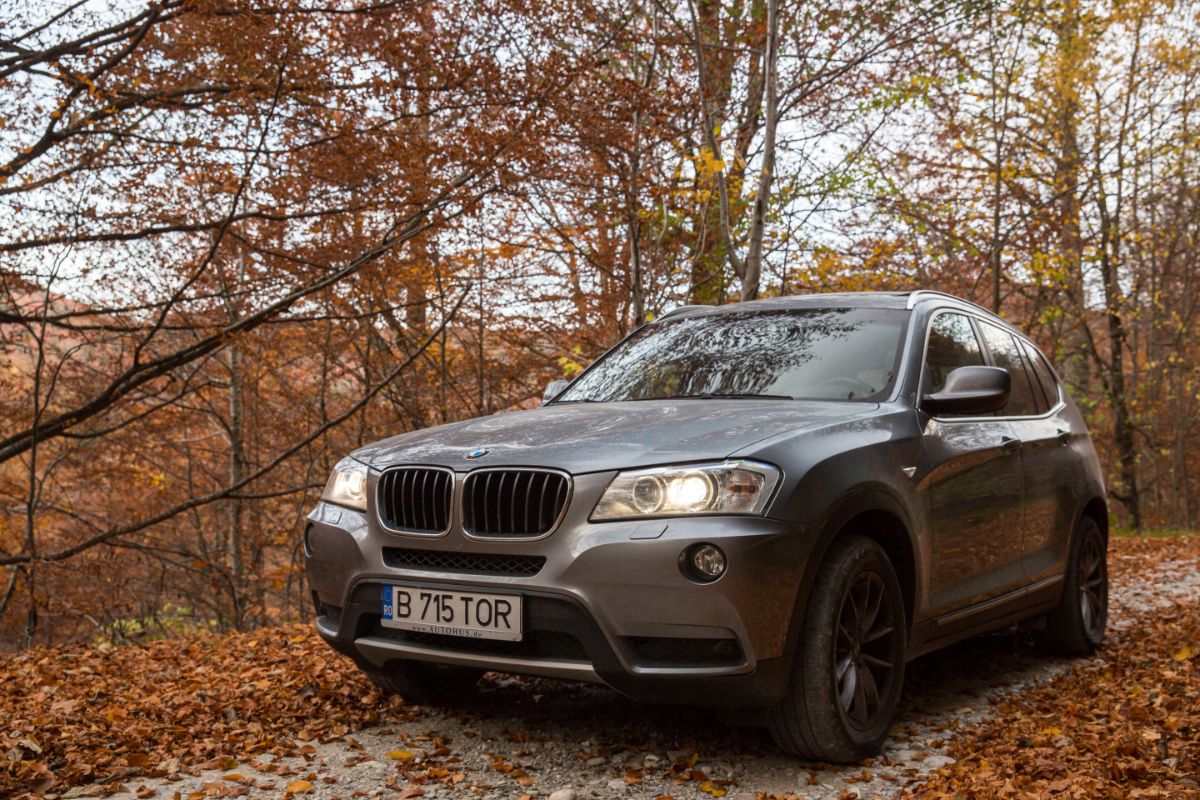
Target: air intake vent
(415,499)
(514,502)
(453,561)
(679,652)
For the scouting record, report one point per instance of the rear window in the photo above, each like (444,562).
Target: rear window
(1043,375)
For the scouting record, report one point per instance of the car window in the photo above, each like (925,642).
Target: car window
(812,353)
(952,344)
(1043,374)
(1002,347)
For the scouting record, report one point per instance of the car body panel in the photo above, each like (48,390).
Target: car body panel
(594,437)
(974,488)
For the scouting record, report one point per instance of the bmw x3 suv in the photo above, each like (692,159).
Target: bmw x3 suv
(770,506)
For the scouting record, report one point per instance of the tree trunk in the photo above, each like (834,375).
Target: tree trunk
(752,267)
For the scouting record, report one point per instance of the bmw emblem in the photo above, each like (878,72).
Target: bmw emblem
(478,452)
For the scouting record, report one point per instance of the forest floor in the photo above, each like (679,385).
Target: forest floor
(275,713)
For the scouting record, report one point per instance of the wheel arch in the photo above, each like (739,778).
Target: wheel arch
(878,515)
(1097,509)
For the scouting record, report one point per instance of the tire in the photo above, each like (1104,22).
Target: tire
(423,683)
(830,712)
(1076,626)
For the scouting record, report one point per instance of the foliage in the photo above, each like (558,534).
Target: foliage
(242,240)
(99,714)
(1126,724)
(1121,724)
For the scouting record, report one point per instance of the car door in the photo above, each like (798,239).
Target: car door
(1039,429)
(973,483)
(1052,464)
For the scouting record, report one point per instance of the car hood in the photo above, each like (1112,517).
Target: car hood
(597,437)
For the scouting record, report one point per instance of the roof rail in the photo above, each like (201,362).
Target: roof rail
(682,310)
(918,295)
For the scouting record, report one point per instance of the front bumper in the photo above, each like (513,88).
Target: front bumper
(604,602)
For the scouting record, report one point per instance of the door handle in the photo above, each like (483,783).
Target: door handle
(1009,445)
(1064,437)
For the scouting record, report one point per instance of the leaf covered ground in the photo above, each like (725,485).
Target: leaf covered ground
(1123,724)
(76,714)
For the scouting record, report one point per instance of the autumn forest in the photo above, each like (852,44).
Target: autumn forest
(241,239)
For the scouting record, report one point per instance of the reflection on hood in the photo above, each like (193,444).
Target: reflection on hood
(587,437)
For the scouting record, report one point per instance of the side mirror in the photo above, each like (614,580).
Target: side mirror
(553,390)
(970,390)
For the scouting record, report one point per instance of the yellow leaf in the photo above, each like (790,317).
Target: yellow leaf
(710,788)
(402,756)
(1051,731)
(298,787)
(1185,652)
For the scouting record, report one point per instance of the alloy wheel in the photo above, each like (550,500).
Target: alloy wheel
(1093,586)
(864,651)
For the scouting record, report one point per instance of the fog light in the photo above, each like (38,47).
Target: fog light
(706,562)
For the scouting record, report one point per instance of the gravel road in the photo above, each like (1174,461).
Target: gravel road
(525,737)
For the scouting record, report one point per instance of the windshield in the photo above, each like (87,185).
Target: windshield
(823,353)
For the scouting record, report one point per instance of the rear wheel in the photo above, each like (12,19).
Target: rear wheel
(850,668)
(424,683)
(1076,626)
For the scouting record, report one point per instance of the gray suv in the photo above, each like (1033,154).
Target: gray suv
(770,506)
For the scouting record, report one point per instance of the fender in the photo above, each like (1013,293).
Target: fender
(856,501)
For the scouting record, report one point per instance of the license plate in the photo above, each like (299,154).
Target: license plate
(471,614)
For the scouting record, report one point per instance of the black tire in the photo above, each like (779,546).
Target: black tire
(1076,626)
(831,713)
(423,683)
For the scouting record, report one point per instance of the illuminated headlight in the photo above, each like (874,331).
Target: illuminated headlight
(731,487)
(347,485)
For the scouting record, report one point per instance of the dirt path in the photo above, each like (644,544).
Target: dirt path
(542,738)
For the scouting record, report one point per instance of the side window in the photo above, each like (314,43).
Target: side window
(1004,351)
(952,344)
(1043,374)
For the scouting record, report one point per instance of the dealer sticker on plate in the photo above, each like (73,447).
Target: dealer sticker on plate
(471,614)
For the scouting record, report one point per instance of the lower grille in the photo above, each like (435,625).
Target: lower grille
(535,644)
(467,563)
(513,502)
(674,651)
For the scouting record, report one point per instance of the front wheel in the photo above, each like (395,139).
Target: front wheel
(847,677)
(1076,626)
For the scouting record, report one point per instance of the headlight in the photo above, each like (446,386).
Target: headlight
(731,487)
(347,485)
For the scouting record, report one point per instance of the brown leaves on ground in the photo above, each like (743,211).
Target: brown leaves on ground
(1123,724)
(74,715)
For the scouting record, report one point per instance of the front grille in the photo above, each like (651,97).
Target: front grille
(513,502)
(415,499)
(473,563)
(675,651)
